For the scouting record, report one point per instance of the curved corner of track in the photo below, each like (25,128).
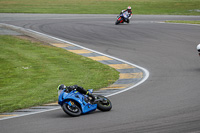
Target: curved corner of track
(131,75)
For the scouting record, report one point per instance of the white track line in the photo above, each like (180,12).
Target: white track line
(29,113)
(178,23)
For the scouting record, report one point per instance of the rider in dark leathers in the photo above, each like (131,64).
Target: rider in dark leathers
(77,88)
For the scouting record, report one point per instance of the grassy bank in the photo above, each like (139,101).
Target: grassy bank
(30,73)
(179,7)
(184,21)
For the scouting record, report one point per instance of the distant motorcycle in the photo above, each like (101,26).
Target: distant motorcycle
(198,49)
(122,18)
(75,103)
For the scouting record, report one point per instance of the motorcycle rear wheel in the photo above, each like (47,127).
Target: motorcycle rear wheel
(104,106)
(71,110)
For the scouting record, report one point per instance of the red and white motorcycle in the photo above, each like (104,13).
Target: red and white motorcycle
(122,18)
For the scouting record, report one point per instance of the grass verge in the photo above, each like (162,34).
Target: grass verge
(31,72)
(178,7)
(184,21)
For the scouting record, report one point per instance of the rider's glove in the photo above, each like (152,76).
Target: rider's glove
(88,93)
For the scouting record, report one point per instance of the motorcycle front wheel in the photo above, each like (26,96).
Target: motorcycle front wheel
(104,105)
(73,110)
(118,21)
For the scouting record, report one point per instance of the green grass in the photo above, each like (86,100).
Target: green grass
(179,7)
(31,72)
(184,21)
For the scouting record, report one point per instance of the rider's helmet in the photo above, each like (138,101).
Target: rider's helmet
(61,87)
(129,9)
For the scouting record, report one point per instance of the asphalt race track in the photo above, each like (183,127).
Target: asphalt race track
(167,102)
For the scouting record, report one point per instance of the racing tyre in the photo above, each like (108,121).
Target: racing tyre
(104,105)
(73,110)
(117,22)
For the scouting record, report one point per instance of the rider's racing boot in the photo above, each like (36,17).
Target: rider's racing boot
(128,20)
(92,96)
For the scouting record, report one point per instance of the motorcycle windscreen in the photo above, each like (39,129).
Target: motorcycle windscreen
(59,92)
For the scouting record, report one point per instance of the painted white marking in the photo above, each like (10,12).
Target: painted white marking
(30,113)
(143,69)
(179,23)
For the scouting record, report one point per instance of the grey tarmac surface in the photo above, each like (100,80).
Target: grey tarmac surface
(168,102)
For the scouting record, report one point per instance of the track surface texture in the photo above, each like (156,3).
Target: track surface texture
(167,102)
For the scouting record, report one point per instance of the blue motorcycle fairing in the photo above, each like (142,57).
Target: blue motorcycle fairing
(79,98)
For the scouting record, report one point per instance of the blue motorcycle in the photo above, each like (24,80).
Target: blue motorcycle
(75,103)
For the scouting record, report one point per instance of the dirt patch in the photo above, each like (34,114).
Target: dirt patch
(32,40)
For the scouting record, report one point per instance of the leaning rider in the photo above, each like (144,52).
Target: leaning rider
(77,88)
(129,13)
